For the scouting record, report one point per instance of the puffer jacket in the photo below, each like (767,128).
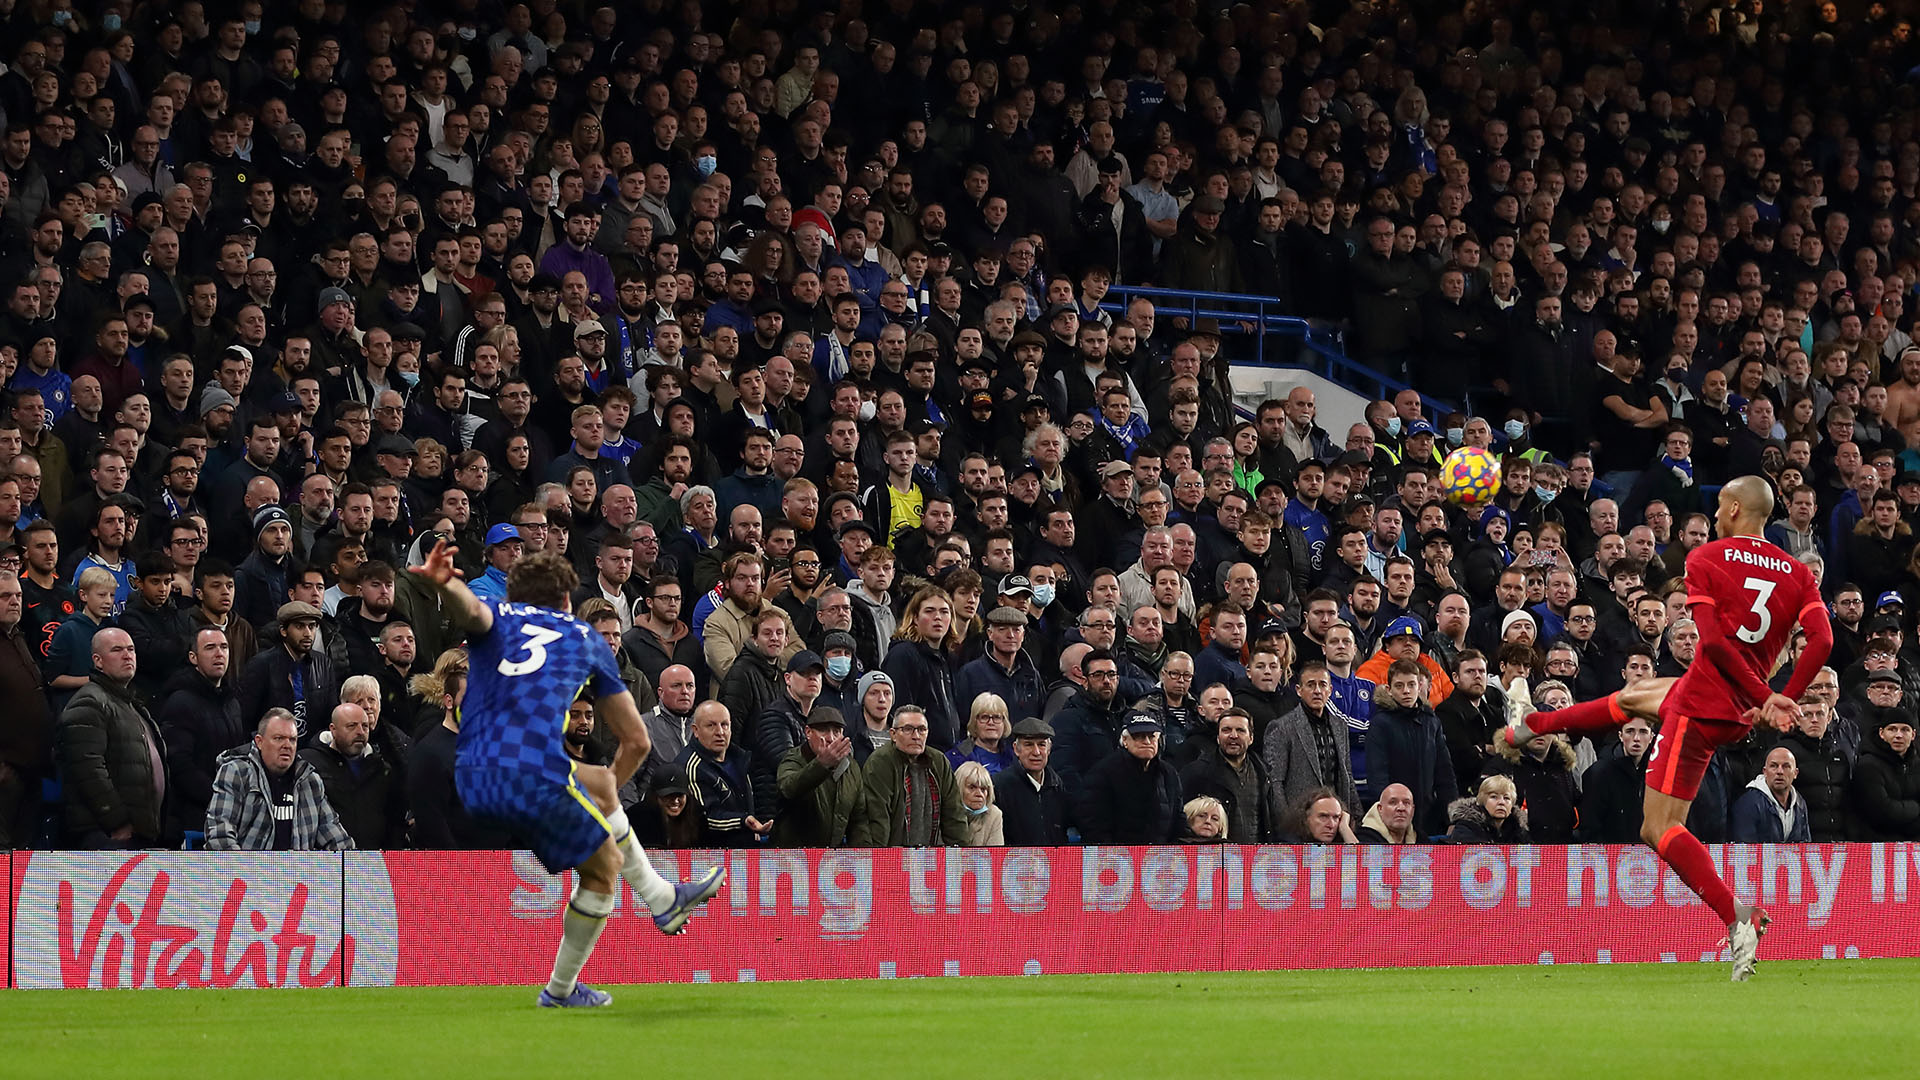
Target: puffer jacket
(1548,792)
(106,743)
(1469,823)
(1885,792)
(779,726)
(753,681)
(1084,733)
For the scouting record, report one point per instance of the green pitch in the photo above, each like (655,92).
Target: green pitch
(1800,1021)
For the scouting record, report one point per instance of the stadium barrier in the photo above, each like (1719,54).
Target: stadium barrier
(178,919)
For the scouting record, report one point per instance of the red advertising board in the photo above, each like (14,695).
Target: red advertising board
(440,918)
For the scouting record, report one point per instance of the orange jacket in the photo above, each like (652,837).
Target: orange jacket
(1375,672)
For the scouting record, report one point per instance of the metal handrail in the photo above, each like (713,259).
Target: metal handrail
(1325,341)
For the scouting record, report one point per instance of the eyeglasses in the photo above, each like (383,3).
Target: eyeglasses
(1103,674)
(1580,618)
(911,729)
(649,540)
(806,562)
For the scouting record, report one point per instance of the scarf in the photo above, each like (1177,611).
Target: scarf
(1681,469)
(933,800)
(1128,436)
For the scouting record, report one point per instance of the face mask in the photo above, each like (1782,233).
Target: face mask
(1393,427)
(867,409)
(839,667)
(1515,429)
(1661,226)
(468,33)
(1043,595)
(62,18)
(1547,494)
(110,21)
(706,163)
(1677,375)
(252,25)
(1456,436)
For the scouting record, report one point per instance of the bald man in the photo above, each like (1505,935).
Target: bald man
(363,786)
(109,752)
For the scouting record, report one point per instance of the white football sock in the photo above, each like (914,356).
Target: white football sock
(653,890)
(586,916)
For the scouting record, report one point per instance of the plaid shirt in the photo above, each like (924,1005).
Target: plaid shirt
(240,816)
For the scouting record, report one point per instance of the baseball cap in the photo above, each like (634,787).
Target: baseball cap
(1420,427)
(1143,723)
(502,533)
(1270,628)
(298,611)
(1891,596)
(1405,624)
(1014,584)
(1883,624)
(805,660)
(544,283)
(1435,536)
(853,526)
(1035,401)
(240,351)
(588,326)
(287,402)
(920,426)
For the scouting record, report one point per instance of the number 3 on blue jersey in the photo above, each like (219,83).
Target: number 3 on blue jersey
(538,638)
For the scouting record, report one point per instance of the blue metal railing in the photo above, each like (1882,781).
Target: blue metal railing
(1315,346)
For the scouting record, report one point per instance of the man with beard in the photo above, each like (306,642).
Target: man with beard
(363,617)
(365,789)
(515,402)
(806,580)
(728,627)
(292,676)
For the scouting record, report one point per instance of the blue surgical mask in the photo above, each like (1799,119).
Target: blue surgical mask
(62,18)
(1042,595)
(1393,426)
(468,33)
(839,667)
(1546,494)
(1456,436)
(1515,429)
(110,21)
(706,163)
(252,25)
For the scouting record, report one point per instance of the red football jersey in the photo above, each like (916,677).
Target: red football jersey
(1759,593)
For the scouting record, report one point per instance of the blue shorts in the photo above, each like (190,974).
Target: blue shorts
(557,820)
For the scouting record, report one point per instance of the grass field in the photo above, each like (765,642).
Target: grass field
(1795,1020)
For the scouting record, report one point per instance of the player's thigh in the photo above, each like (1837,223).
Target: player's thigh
(1660,812)
(1681,753)
(597,782)
(1644,697)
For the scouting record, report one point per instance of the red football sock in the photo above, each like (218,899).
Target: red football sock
(1586,718)
(1688,857)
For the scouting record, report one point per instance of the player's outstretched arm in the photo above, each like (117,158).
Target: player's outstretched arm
(466,609)
(622,717)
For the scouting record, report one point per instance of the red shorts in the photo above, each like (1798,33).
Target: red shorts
(1683,749)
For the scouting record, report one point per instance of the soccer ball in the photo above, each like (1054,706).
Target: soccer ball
(1470,477)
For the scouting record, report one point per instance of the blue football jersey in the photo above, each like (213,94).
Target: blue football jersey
(523,673)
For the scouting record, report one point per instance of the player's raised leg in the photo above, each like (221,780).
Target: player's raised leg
(1641,698)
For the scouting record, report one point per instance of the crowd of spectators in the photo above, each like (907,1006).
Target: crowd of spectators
(793,327)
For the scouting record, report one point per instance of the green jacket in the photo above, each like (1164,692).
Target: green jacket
(656,505)
(817,808)
(882,817)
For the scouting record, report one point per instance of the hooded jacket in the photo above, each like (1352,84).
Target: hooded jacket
(1758,817)
(1373,829)
(1405,746)
(1547,788)
(1469,823)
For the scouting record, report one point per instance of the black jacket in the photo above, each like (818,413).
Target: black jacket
(1084,733)
(1613,793)
(1209,774)
(200,721)
(268,683)
(105,742)
(1470,727)
(1886,793)
(923,676)
(1126,801)
(1826,772)
(439,821)
(1405,746)
(778,727)
(1469,823)
(1547,790)
(161,637)
(1031,817)
(750,684)
(367,796)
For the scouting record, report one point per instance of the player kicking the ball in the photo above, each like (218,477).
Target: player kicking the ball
(528,659)
(1745,595)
